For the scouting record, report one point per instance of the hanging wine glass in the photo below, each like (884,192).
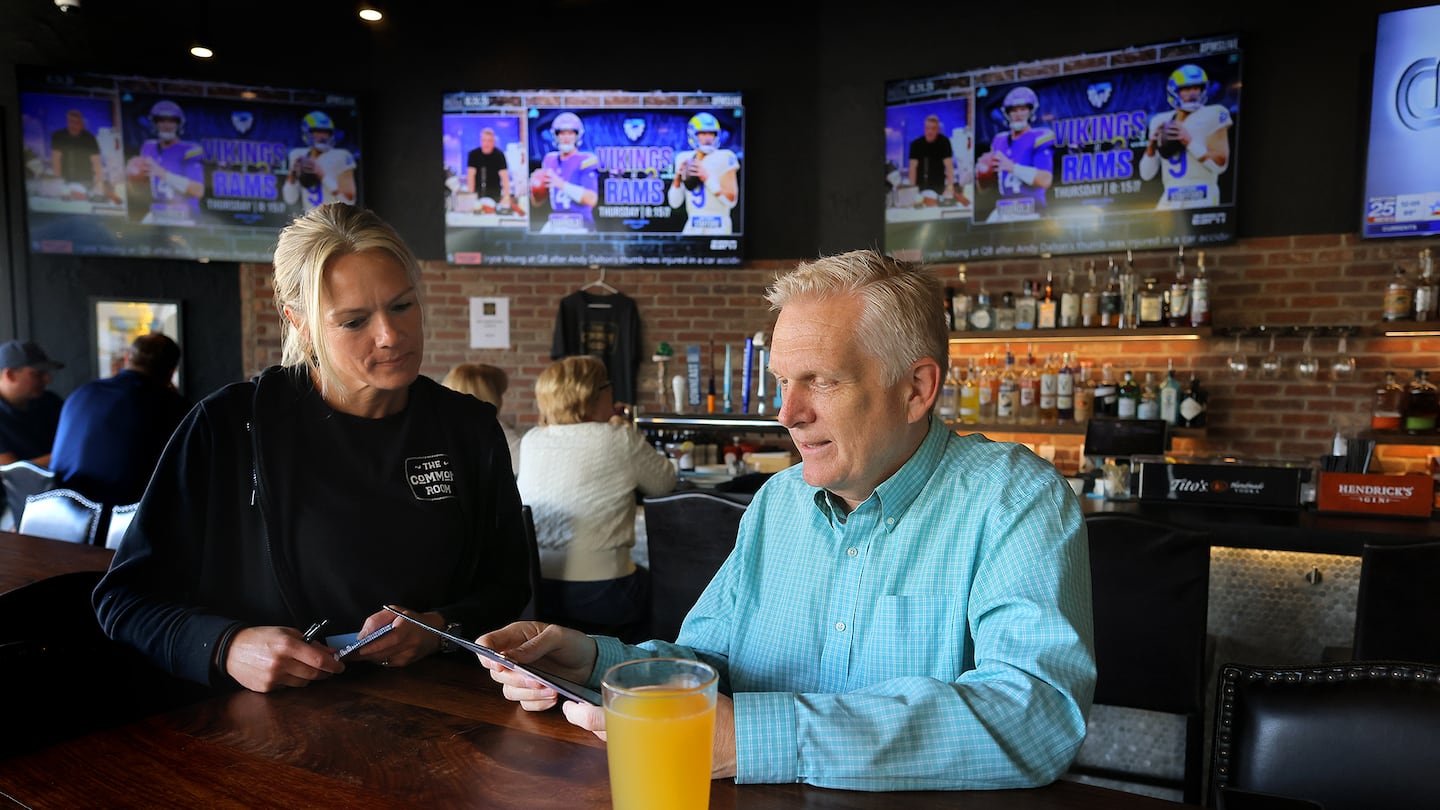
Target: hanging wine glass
(1238,363)
(1343,366)
(1270,363)
(1307,365)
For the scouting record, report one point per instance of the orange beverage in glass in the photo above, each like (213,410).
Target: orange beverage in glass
(660,727)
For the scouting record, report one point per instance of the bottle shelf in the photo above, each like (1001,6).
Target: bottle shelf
(1407,328)
(1400,437)
(711,421)
(1070,428)
(1083,335)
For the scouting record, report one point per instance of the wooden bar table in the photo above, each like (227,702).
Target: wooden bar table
(25,559)
(435,734)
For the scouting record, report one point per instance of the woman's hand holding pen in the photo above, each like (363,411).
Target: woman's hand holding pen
(262,659)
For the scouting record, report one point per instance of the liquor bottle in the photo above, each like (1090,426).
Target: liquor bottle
(1152,306)
(1048,309)
(1178,313)
(1090,300)
(1170,396)
(1049,391)
(950,395)
(1069,301)
(1129,397)
(970,395)
(1425,288)
(982,315)
(989,388)
(1084,395)
(1005,313)
(1422,405)
(1065,390)
(1385,414)
(1149,405)
(1107,393)
(1007,397)
(1192,404)
(1200,294)
(946,301)
(960,303)
(1025,306)
(1028,412)
(1399,297)
(1112,306)
(1130,294)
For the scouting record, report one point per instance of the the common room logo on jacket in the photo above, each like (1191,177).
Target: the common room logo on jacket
(432,478)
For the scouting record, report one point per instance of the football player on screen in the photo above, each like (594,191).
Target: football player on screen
(319,172)
(1191,140)
(568,179)
(168,171)
(1021,161)
(706,179)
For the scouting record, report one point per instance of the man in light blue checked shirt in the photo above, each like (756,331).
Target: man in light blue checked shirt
(907,609)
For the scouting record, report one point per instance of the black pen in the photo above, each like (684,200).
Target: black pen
(314,631)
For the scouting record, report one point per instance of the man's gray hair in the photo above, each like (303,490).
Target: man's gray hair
(903,317)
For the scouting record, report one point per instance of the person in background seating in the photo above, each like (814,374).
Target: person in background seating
(29,412)
(488,384)
(112,430)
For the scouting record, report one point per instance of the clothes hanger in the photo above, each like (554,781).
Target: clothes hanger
(600,282)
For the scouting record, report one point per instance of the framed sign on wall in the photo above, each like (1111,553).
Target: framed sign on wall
(118,321)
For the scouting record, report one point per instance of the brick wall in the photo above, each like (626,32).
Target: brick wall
(1300,281)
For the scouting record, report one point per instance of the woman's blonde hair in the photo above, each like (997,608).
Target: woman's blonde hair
(308,247)
(485,383)
(567,388)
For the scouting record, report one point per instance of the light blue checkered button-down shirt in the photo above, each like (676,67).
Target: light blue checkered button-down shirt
(936,638)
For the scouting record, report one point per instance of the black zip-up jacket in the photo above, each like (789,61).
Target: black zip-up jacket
(206,553)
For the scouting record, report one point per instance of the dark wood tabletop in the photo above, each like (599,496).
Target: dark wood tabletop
(435,734)
(25,559)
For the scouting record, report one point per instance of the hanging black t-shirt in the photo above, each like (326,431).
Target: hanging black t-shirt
(368,490)
(607,327)
(930,173)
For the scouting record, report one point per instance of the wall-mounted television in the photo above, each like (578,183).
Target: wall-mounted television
(1127,149)
(1402,177)
(585,177)
(150,167)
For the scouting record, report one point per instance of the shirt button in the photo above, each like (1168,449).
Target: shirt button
(890,521)
(852,551)
(839,627)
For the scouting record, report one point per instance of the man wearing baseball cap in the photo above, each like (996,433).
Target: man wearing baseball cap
(29,413)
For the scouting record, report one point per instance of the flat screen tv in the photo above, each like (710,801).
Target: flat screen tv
(1402,177)
(150,167)
(594,178)
(1128,149)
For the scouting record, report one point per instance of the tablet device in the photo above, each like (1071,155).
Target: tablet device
(352,644)
(567,688)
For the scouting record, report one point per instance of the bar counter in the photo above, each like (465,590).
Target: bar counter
(1277,529)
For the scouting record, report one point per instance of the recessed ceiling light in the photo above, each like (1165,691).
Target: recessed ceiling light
(370,14)
(201,52)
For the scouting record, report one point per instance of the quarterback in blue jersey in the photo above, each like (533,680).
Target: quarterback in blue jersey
(568,179)
(1021,160)
(168,170)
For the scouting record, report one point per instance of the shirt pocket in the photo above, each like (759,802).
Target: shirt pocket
(913,635)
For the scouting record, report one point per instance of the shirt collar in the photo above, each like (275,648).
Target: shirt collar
(895,494)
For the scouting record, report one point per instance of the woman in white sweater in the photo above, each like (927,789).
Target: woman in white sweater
(579,472)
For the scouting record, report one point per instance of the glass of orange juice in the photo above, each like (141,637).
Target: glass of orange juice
(659,726)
